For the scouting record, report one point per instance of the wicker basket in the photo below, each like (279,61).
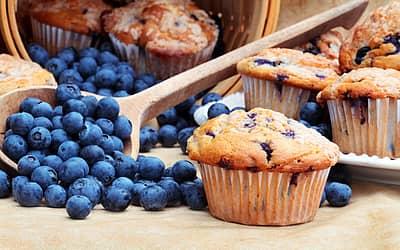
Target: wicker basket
(242,22)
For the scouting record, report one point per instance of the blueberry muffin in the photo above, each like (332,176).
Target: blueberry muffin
(57,24)
(17,73)
(375,42)
(162,36)
(262,168)
(364,107)
(326,45)
(284,79)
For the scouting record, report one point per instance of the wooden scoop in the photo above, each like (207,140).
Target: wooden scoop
(147,104)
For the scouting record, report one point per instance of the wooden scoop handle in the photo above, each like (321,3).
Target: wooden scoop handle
(153,101)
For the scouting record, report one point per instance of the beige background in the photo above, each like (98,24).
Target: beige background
(370,221)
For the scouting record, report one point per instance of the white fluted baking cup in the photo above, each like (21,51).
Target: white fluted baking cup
(370,126)
(263,198)
(274,95)
(53,39)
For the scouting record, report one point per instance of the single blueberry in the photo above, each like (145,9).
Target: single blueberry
(338,194)
(118,144)
(106,143)
(70,76)
(183,170)
(21,123)
(106,125)
(139,85)
(73,169)
(78,207)
(168,135)
(68,149)
(16,183)
(92,154)
(217,109)
(44,176)
(103,171)
(89,52)
(151,168)
(64,92)
(194,195)
(105,78)
(39,138)
(148,78)
(146,143)
(69,55)
(43,122)
(14,146)
(52,161)
(91,104)
(73,122)
(38,54)
(170,116)
(311,112)
(183,136)
(87,187)
(28,103)
(122,127)
(90,134)
(210,97)
(56,196)
(42,109)
(116,199)
(125,68)
(153,198)
(185,105)
(153,133)
(75,105)
(136,190)
(29,194)
(87,66)
(124,82)
(107,57)
(5,186)
(58,136)
(174,195)
(125,166)
(181,123)
(107,108)
(89,87)
(123,182)
(56,65)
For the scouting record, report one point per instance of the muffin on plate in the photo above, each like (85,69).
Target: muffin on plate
(284,79)
(165,37)
(17,73)
(57,24)
(364,107)
(261,168)
(326,45)
(375,42)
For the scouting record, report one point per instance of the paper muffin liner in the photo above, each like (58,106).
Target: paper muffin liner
(54,39)
(162,67)
(263,198)
(366,126)
(274,95)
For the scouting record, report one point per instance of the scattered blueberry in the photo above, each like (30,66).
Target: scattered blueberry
(183,170)
(29,194)
(151,168)
(14,146)
(169,116)
(217,109)
(337,194)
(153,198)
(78,207)
(173,191)
(193,195)
(168,135)
(86,187)
(116,199)
(38,54)
(56,196)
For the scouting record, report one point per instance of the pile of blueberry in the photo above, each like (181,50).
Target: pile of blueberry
(94,70)
(71,155)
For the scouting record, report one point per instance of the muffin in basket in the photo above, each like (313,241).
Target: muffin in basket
(326,45)
(364,107)
(261,168)
(162,36)
(284,79)
(375,42)
(57,24)
(17,73)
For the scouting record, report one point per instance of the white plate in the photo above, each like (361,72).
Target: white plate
(372,168)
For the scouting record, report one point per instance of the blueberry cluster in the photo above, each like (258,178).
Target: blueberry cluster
(337,189)
(94,70)
(312,116)
(71,156)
